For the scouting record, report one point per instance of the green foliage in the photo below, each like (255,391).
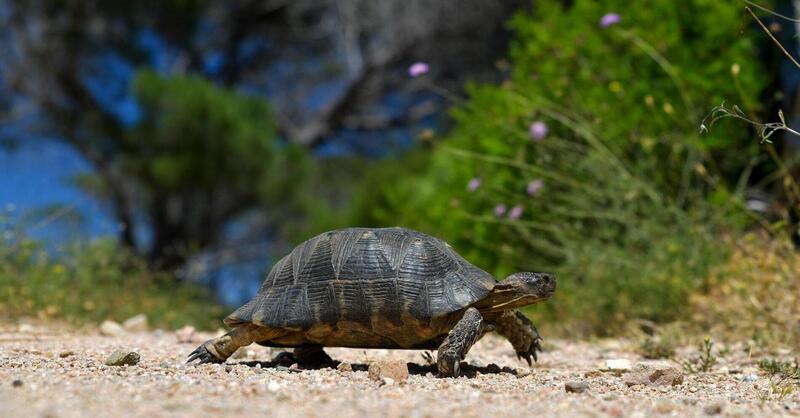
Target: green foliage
(194,134)
(91,282)
(633,198)
(785,369)
(784,378)
(705,359)
(199,156)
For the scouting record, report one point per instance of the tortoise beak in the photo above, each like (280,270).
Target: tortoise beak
(547,285)
(540,286)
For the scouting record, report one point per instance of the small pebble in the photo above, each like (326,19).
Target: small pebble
(17,383)
(123,358)
(136,323)
(654,374)
(64,354)
(618,364)
(344,367)
(576,386)
(111,329)
(522,372)
(397,370)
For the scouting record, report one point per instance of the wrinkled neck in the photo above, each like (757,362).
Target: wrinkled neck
(500,299)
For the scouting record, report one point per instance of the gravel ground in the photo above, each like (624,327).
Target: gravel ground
(47,372)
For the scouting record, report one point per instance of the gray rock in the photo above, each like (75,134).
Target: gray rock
(123,358)
(111,329)
(654,374)
(522,372)
(576,386)
(136,323)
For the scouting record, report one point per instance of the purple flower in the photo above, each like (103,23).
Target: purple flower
(500,210)
(418,68)
(515,212)
(538,130)
(474,184)
(609,19)
(534,187)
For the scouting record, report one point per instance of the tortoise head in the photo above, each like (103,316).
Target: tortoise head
(519,289)
(530,287)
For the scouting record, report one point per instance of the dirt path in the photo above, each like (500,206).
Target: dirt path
(46,373)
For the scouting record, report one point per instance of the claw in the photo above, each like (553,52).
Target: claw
(203,355)
(534,348)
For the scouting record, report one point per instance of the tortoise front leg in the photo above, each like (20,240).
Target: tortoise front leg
(520,331)
(218,350)
(469,329)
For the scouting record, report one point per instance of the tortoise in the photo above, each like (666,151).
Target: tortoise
(391,288)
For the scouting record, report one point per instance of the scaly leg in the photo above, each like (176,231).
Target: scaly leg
(520,331)
(312,356)
(308,357)
(461,338)
(217,350)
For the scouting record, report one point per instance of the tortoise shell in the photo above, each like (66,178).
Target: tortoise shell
(364,276)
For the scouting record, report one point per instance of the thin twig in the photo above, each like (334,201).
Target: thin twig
(760,23)
(764,9)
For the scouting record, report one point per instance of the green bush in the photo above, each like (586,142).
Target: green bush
(627,199)
(88,283)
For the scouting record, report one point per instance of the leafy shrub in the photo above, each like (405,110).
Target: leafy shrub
(199,156)
(93,282)
(614,189)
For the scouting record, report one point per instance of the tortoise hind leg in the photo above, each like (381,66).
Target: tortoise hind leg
(218,350)
(461,338)
(312,356)
(307,357)
(520,331)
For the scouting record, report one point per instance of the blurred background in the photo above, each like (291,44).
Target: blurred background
(157,157)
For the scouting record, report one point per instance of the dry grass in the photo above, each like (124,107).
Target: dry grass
(756,295)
